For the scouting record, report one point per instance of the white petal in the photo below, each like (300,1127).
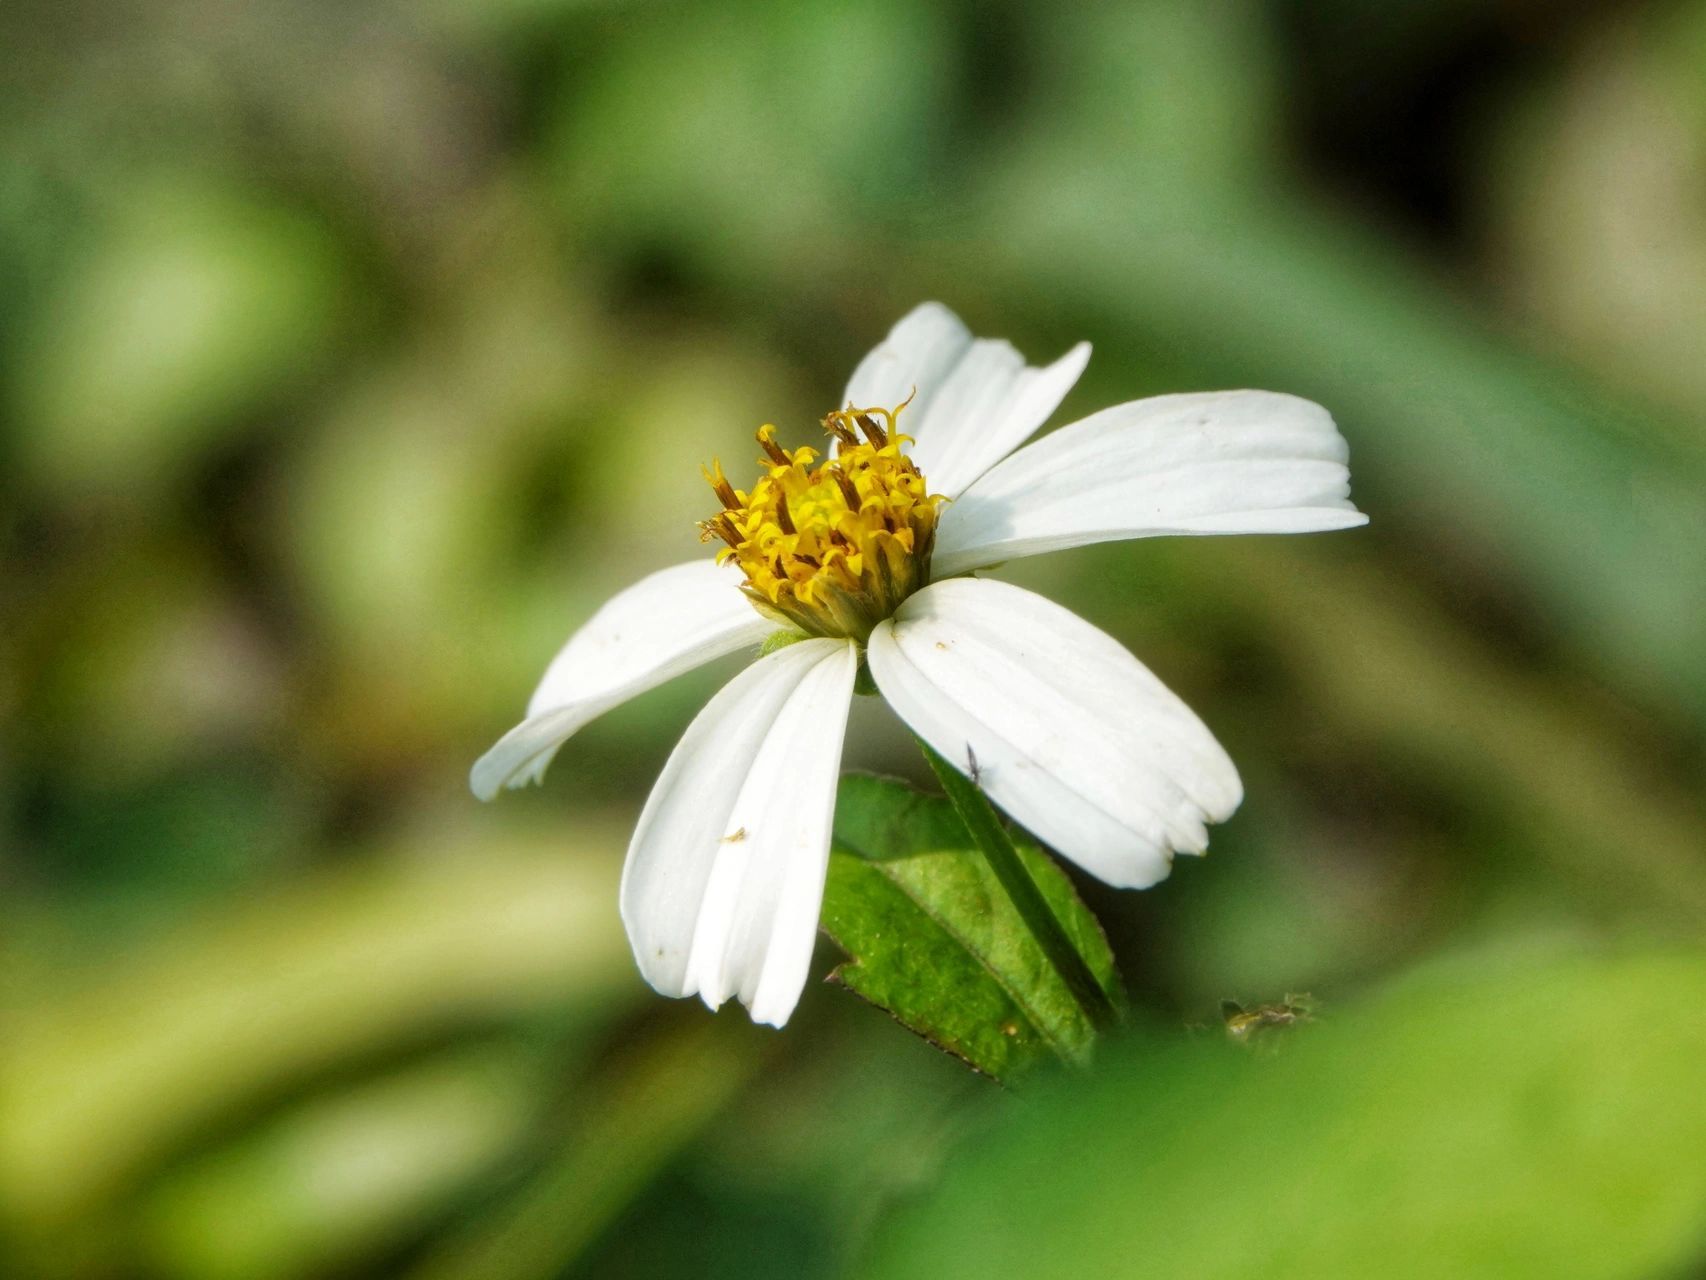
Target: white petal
(918,354)
(1211,462)
(724,878)
(663,625)
(1074,737)
(989,405)
(975,402)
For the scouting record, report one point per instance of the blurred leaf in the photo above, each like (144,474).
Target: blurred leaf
(1597,208)
(142,660)
(342,1176)
(899,1106)
(761,132)
(196,304)
(102,1078)
(1183,95)
(934,939)
(1388,666)
(631,1118)
(1543,1123)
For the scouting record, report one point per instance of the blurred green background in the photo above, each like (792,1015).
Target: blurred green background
(352,354)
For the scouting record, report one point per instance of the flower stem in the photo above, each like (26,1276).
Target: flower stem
(991,837)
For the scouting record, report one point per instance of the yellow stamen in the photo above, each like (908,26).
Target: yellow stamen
(830,547)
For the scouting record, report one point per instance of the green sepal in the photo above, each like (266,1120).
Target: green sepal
(780,640)
(864,683)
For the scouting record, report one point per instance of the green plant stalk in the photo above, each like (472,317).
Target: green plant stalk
(986,830)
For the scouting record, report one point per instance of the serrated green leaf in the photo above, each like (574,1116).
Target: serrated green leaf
(933,939)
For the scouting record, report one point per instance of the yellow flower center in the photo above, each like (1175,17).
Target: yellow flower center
(832,546)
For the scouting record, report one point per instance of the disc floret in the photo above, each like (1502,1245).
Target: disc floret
(830,544)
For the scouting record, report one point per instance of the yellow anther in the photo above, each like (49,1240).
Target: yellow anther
(831,547)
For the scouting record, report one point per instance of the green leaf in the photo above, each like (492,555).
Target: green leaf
(989,833)
(1497,1117)
(932,937)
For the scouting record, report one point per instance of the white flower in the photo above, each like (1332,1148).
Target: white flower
(1072,736)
